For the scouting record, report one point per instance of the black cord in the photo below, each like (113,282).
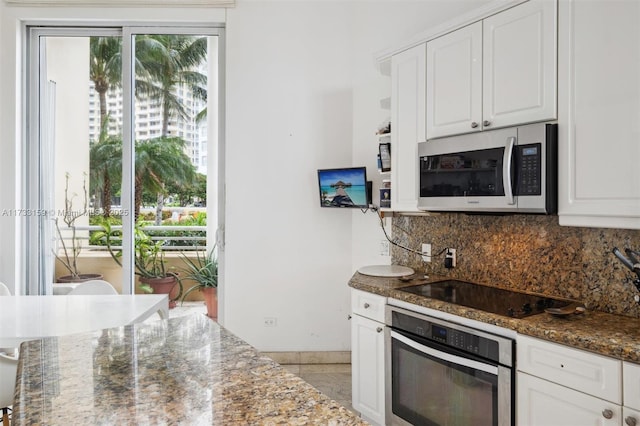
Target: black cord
(410,250)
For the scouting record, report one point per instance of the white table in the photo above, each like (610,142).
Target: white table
(25,318)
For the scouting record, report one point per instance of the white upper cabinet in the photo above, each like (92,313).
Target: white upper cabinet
(519,65)
(408,96)
(497,72)
(599,114)
(454,82)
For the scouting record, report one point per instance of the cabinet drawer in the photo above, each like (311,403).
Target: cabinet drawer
(593,374)
(368,305)
(631,385)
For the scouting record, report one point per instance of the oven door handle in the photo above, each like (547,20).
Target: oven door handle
(487,368)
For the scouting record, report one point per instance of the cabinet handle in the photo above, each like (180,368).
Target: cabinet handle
(379,330)
(607,414)
(630,421)
(366,306)
(486,123)
(348,317)
(474,125)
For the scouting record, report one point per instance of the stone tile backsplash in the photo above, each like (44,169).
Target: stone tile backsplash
(526,252)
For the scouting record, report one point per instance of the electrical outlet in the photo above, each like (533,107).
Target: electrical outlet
(426,252)
(384,248)
(270,322)
(450,258)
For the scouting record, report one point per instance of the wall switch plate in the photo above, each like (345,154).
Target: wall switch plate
(450,258)
(426,252)
(384,248)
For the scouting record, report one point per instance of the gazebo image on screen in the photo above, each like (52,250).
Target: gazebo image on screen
(343,187)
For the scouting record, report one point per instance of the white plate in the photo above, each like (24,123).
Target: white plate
(386,270)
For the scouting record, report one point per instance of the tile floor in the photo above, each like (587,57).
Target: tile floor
(334,380)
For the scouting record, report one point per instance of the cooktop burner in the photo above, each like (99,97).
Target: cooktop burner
(490,299)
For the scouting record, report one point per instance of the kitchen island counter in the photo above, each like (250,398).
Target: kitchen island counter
(606,334)
(187,370)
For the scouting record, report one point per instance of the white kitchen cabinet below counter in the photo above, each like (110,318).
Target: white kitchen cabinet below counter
(367,356)
(559,385)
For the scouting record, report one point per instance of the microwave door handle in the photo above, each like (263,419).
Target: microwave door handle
(507,164)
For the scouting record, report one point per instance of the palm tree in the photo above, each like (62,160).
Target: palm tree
(105,68)
(173,60)
(105,164)
(160,160)
(162,63)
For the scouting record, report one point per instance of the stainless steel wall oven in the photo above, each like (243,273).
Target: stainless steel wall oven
(446,374)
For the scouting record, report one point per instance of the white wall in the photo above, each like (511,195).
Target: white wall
(303,93)
(289,113)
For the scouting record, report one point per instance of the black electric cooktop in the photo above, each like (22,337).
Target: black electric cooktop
(489,299)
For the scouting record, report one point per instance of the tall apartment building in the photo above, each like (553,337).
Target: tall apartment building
(148,122)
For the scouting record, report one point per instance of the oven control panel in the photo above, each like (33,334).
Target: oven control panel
(464,341)
(448,335)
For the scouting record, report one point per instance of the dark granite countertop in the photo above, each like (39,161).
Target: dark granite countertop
(616,336)
(186,370)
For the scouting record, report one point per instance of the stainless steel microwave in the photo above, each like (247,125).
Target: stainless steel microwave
(513,169)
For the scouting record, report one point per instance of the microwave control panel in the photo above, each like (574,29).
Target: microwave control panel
(529,169)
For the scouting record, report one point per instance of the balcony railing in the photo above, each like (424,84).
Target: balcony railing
(181,238)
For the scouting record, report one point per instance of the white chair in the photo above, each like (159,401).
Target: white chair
(8,371)
(4,290)
(93,287)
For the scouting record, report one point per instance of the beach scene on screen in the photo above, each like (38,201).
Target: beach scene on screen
(343,188)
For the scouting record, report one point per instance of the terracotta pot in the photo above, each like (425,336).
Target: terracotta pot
(165,285)
(211,300)
(80,279)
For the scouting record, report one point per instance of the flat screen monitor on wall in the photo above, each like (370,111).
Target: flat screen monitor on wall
(346,187)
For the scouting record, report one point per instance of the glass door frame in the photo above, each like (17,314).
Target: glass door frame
(32,260)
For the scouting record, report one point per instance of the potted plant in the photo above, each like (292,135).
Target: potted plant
(204,271)
(72,247)
(149,262)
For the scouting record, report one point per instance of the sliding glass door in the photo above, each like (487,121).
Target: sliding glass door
(122,141)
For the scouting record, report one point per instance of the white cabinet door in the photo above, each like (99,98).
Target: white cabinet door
(631,385)
(454,82)
(542,403)
(631,417)
(367,368)
(408,117)
(498,72)
(599,114)
(519,65)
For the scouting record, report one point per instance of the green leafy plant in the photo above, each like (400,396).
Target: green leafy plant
(203,270)
(149,259)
